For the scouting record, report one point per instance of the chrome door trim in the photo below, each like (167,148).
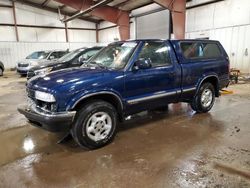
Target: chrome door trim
(189,89)
(154,96)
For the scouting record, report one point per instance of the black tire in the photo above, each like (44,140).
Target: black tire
(79,129)
(197,104)
(1,72)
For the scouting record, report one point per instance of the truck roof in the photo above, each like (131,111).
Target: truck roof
(175,40)
(195,40)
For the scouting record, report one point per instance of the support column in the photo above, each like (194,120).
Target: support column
(97,32)
(15,23)
(124,26)
(66,30)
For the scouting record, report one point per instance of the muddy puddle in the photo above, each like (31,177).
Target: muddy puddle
(177,148)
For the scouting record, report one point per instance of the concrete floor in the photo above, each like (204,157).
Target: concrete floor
(173,149)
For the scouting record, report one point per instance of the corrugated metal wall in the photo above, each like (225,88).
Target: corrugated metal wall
(12,52)
(110,34)
(227,21)
(236,41)
(155,24)
(36,38)
(151,26)
(27,15)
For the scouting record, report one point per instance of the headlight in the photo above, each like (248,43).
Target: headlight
(42,71)
(33,63)
(46,97)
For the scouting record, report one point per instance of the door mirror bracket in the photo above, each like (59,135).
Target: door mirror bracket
(142,64)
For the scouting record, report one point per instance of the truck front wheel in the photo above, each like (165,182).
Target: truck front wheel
(204,99)
(95,124)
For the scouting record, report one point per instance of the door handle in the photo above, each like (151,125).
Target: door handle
(172,73)
(246,52)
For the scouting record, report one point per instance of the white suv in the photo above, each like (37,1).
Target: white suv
(37,58)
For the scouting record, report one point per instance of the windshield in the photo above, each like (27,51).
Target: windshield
(113,56)
(71,55)
(38,55)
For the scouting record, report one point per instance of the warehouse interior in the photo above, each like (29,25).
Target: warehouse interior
(173,148)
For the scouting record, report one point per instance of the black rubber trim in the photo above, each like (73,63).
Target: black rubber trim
(52,123)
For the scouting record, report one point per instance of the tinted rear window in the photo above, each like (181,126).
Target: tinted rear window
(194,50)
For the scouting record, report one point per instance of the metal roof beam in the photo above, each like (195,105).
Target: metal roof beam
(105,12)
(122,3)
(88,10)
(45,3)
(5,6)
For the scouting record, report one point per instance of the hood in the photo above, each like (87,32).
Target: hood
(32,62)
(69,80)
(45,64)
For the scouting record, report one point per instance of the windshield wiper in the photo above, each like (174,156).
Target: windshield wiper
(93,63)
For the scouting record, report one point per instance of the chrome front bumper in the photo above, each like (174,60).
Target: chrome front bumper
(23,70)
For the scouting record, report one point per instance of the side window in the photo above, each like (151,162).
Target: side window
(211,50)
(53,55)
(156,52)
(61,53)
(194,50)
(88,54)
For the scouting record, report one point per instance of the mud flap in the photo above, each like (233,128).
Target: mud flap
(65,138)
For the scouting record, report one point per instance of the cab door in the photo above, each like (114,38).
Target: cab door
(156,85)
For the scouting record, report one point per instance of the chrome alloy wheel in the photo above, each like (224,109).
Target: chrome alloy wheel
(99,126)
(206,98)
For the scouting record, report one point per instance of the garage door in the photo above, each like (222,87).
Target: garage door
(155,25)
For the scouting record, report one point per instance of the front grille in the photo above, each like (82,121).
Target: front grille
(30,93)
(23,65)
(30,74)
(50,107)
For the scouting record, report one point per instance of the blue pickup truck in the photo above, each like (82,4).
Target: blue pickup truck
(125,78)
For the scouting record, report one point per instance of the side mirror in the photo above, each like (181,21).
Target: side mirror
(142,64)
(81,59)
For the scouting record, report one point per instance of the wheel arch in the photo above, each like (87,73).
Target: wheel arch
(107,96)
(214,80)
(2,66)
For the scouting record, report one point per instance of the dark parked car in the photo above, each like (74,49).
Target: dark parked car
(126,78)
(1,68)
(72,59)
(37,58)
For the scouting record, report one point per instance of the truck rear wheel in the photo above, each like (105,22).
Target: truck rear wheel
(204,100)
(95,125)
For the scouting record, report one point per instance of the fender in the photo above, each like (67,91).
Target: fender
(86,95)
(200,81)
